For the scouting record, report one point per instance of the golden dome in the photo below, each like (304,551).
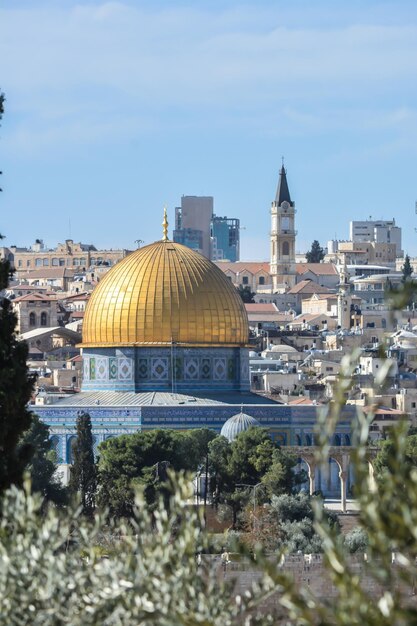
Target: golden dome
(164,293)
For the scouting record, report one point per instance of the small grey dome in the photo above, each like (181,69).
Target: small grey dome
(237,424)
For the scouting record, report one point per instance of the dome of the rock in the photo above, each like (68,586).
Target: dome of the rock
(165,318)
(161,294)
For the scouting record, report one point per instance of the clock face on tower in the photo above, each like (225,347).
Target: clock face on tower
(285,205)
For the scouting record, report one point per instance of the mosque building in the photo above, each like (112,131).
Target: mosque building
(165,345)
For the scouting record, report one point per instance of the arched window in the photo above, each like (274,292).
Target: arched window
(297,440)
(285,248)
(307,439)
(262,280)
(46,261)
(70,449)
(95,446)
(336,440)
(32,319)
(55,448)
(44,319)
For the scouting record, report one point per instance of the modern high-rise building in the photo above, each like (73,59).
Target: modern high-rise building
(199,229)
(377,231)
(283,234)
(225,235)
(193,223)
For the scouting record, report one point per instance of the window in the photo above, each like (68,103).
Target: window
(38,262)
(285,223)
(262,280)
(55,262)
(44,319)
(19,263)
(413,405)
(285,248)
(32,319)
(28,263)
(45,262)
(245,280)
(61,262)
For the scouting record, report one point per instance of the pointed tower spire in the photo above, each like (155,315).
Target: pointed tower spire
(283,193)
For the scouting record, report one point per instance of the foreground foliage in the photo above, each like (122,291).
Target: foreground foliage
(50,574)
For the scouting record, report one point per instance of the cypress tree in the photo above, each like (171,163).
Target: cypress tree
(15,390)
(316,253)
(15,386)
(83,478)
(406,269)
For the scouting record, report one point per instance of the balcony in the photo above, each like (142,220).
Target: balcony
(290,232)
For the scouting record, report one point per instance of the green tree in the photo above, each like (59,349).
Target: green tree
(406,269)
(141,459)
(42,466)
(16,387)
(83,479)
(316,253)
(247,295)
(252,458)
(2,100)
(294,515)
(356,540)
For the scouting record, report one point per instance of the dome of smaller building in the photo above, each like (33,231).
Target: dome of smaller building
(282,348)
(237,424)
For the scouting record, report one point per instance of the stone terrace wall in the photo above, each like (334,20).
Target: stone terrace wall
(308,570)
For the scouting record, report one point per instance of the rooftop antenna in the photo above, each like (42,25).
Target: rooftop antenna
(138,242)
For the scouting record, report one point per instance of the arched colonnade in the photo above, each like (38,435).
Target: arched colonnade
(341,455)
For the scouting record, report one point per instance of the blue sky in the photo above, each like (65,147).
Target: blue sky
(117,108)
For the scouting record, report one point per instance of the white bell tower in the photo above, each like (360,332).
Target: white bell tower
(283,235)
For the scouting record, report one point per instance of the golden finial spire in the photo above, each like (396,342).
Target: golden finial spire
(165,226)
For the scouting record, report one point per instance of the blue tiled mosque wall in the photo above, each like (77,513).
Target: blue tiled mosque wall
(287,425)
(174,369)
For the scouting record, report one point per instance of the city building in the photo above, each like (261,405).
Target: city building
(252,274)
(70,255)
(35,310)
(377,231)
(198,228)
(225,236)
(193,223)
(362,253)
(283,233)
